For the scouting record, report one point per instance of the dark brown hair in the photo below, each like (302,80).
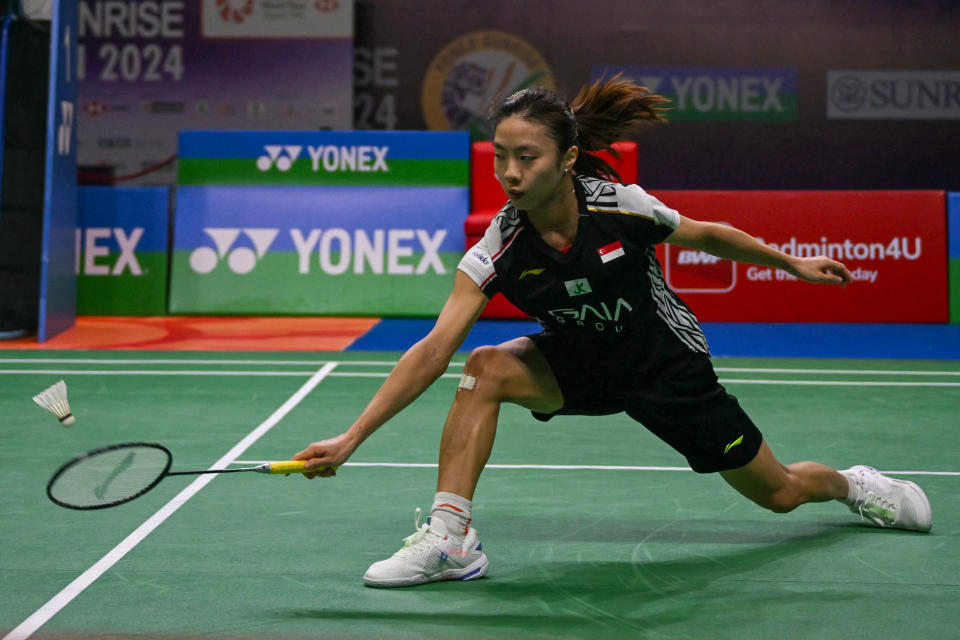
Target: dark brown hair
(601,114)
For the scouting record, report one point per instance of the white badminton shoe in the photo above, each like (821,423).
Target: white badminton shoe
(429,555)
(887,502)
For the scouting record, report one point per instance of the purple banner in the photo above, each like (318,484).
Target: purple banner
(148,69)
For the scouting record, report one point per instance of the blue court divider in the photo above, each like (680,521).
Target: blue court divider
(727,339)
(5,23)
(58,284)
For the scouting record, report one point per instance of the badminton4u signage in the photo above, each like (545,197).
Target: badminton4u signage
(897,261)
(318,222)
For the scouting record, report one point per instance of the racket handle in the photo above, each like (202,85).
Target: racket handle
(293,466)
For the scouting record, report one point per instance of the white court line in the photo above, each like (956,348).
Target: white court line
(573,467)
(852,372)
(316,363)
(365,374)
(840,383)
(390,363)
(154,372)
(42,615)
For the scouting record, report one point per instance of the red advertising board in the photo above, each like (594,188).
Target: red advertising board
(893,242)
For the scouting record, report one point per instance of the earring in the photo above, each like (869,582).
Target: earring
(566,171)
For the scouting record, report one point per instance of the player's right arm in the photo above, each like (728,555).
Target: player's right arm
(419,367)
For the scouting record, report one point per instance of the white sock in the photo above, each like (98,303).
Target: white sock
(455,512)
(852,492)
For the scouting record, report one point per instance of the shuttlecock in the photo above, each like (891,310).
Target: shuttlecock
(54,400)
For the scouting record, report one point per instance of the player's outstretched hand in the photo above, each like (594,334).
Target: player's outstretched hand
(821,269)
(325,456)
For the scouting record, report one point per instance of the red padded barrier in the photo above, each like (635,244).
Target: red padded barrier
(893,242)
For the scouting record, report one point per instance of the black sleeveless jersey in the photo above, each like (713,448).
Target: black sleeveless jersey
(608,287)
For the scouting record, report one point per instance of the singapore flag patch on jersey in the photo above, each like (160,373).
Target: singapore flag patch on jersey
(610,252)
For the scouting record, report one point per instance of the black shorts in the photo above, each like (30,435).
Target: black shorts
(679,400)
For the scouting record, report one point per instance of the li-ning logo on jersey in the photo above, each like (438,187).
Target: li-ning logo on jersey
(531,272)
(240,260)
(576,287)
(281,156)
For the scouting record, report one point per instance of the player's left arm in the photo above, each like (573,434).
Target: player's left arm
(733,244)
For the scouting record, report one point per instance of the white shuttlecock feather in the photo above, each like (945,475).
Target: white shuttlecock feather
(54,400)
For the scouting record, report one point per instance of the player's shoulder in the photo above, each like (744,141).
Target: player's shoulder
(479,259)
(628,200)
(502,230)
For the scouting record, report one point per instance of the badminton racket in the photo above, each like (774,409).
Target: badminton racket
(110,476)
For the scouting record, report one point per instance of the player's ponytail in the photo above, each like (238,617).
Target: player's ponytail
(601,114)
(606,112)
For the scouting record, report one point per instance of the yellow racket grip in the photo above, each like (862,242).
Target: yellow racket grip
(294,466)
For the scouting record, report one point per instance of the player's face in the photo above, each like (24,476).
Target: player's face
(527,163)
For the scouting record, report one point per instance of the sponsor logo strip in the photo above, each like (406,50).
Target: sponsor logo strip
(893,95)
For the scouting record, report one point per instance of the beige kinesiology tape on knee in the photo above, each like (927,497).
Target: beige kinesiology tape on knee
(466,382)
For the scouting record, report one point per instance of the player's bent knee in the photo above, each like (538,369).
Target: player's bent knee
(484,369)
(783,501)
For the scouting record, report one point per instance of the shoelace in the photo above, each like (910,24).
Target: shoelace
(418,536)
(878,508)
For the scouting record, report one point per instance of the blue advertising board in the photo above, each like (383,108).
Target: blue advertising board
(122,250)
(335,223)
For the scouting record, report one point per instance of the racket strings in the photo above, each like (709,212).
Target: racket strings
(110,476)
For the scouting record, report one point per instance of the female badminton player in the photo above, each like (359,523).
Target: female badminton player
(575,250)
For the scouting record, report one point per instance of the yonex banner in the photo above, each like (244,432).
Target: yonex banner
(121,249)
(316,250)
(953,253)
(766,94)
(893,242)
(358,223)
(369,158)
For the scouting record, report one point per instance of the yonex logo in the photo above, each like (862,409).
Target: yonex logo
(281,156)
(240,260)
(92,243)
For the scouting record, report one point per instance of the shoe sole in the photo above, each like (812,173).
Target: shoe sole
(474,571)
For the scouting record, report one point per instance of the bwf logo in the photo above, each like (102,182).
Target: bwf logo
(240,260)
(234,10)
(281,156)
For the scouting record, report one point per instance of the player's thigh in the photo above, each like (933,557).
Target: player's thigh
(525,377)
